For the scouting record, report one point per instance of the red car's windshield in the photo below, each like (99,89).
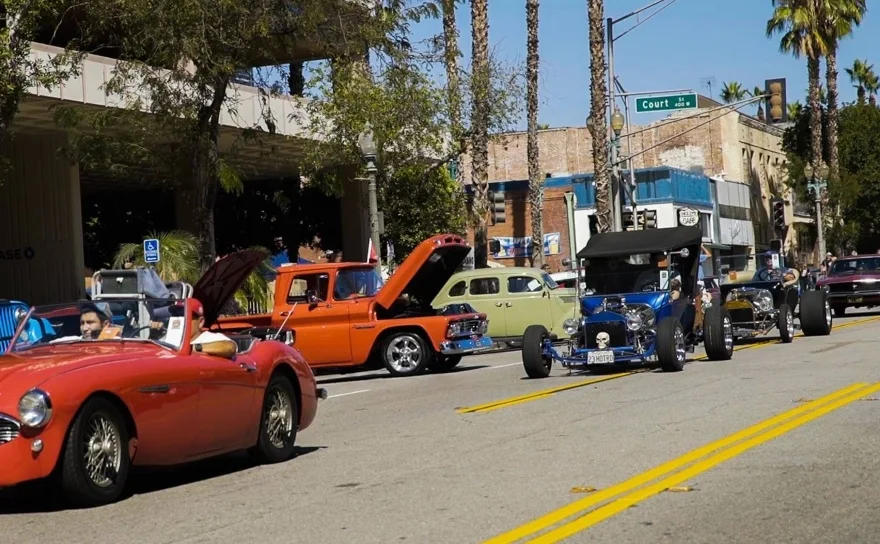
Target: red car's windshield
(159,321)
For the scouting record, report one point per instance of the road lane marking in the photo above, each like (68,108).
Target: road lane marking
(579,506)
(542,394)
(505,366)
(349,393)
(512,401)
(635,497)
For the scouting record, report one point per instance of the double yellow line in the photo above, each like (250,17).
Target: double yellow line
(544,393)
(619,497)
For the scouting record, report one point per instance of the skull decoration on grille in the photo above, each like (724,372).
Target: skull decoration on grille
(602,340)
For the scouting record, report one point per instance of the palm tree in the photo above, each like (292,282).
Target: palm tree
(798,21)
(180,262)
(536,183)
(480,127)
(755,93)
(872,87)
(598,130)
(453,81)
(732,91)
(860,73)
(794,110)
(839,18)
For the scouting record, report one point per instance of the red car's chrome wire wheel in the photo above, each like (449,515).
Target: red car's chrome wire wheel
(279,418)
(102,450)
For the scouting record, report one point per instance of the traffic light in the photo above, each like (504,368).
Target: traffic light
(627,221)
(778,213)
(650,219)
(777,110)
(497,207)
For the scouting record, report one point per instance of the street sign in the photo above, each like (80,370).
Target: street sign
(151,250)
(688,217)
(667,103)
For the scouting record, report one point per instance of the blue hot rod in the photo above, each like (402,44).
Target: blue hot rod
(641,304)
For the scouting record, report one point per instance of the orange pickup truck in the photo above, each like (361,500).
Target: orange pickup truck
(343,315)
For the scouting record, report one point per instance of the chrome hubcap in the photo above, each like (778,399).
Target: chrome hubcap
(279,418)
(828,314)
(102,452)
(789,323)
(404,353)
(728,333)
(680,350)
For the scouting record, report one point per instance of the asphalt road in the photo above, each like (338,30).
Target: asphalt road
(482,453)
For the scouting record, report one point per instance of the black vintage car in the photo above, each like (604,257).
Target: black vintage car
(765,299)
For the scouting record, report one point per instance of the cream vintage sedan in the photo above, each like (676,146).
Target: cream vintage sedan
(513,298)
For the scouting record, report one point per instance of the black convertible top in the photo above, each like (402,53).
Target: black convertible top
(614,244)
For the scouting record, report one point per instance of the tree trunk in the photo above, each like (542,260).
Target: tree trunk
(296,81)
(536,183)
(872,100)
(205,172)
(860,95)
(450,59)
(815,112)
(833,114)
(480,128)
(596,17)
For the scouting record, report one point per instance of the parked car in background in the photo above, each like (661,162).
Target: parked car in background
(852,282)
(344,315)
(11,314)
(513,298)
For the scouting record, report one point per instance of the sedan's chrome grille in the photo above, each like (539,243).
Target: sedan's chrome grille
(8,430)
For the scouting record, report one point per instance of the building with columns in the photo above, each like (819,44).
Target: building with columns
(41,215)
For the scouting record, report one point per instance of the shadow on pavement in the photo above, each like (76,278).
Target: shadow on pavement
(43,496)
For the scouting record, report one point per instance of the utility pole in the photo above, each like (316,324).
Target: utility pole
(816,179)
(616,201)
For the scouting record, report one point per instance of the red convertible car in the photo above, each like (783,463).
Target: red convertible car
(144,382)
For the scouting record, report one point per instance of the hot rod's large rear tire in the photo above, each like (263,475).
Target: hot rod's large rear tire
(534,361)
(718,334)
(671,348)
(815,313)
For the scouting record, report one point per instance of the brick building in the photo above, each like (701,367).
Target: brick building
(742,155)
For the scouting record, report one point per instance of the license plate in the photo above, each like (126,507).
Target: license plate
(600,357)
(854,299)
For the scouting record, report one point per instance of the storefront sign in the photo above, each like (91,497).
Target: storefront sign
(17,254)
(688,217)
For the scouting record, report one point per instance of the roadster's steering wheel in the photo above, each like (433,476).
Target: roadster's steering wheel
(651,287)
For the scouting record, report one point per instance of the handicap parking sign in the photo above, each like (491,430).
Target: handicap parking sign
(151,250)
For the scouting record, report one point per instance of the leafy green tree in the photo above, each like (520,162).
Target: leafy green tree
(18,69)
(859,184)
(421,203)
(179,57)
(414,121)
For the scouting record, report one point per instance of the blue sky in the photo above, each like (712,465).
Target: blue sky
(687,42)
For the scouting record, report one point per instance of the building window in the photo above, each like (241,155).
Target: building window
(485,286)
(734,212)
(746,167)
(706,225)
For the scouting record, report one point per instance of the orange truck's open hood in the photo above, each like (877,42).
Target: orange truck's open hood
(426,270)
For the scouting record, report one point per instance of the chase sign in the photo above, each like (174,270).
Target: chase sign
(17,254)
